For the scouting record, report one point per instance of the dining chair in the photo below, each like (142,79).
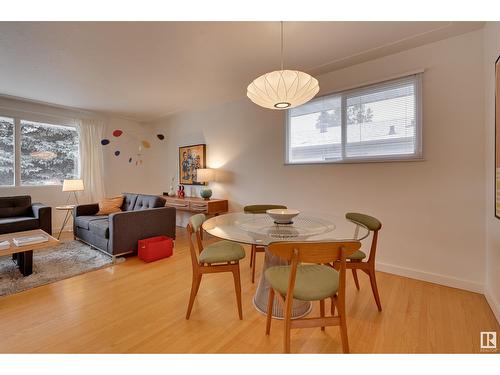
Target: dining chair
(259,209)
(355,261)
(221,256)
(310,282)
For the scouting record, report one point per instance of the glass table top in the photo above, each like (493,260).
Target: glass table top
(260,229)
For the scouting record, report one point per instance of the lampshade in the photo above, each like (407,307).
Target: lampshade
(205,175)
(72,185)
(282,89)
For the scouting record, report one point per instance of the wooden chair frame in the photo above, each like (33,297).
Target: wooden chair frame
(367,267)
(199,269)
(259,248)
(253,255)
(312,252)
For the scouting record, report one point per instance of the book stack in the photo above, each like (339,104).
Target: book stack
(29,240)
(4,245)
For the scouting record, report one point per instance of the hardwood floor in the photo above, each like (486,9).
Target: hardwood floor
(135,307)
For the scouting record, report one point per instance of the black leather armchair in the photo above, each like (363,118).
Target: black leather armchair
(18,214)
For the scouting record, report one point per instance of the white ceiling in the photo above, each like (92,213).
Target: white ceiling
(143,71)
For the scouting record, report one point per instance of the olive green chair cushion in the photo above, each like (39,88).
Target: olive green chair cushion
(261,208)
(221,252)
(313,281)
(357,255)
(196,221)
(368,221)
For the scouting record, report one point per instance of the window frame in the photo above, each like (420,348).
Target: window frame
(44,119)
(417,156)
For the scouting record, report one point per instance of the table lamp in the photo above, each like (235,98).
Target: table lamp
(205,175)
(72,186)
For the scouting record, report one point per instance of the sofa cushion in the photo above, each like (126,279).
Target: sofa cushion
(100,227)
(18,224)
(15,206)
(128,201)
(110,205)
(144,202)
(84,221)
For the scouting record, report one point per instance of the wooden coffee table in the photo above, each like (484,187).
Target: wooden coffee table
(23,255)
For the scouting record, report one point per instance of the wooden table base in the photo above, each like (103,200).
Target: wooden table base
(24,261)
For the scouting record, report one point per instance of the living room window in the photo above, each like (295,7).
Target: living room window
(7,156)
(380,122)
(49,153)
(37,153)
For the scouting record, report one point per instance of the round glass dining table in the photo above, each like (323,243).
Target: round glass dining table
(261,230)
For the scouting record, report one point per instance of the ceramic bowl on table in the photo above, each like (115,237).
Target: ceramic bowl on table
(283,216)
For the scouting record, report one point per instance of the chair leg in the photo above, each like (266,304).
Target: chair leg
(322,311)
(251,255)
(373,282)
(254,264)
(195,286)
(287,321)
(343,326)
(332,308)
(355,277)
(237,287)
(269,311)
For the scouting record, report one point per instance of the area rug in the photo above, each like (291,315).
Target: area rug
(53,264)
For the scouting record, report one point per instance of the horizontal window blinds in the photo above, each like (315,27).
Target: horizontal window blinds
(376,122)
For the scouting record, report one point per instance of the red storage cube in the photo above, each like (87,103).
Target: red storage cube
(154,248)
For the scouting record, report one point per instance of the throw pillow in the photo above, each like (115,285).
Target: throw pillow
(110,205)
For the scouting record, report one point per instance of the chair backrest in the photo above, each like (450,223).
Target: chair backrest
(138,202)
(194,226)
(262,208)
(373,224)
(315,252)
(15,206)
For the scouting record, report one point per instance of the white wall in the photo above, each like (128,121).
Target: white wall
(118,175)
(432,211)
(491,53)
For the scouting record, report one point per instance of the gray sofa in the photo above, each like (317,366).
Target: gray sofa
(18,214)
(142,216)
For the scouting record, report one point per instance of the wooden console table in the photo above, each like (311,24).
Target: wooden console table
(198,205)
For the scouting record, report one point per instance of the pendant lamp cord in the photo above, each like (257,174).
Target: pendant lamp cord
(281,22)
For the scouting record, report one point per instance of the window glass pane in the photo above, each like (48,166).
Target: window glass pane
(6,151)
(381,121)
(370,123)
(49,153)
(315,132)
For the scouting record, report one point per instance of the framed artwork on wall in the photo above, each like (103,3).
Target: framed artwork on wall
(497,138)
(191,158)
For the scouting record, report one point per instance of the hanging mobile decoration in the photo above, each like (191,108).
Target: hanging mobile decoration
(139,157)
(142,144)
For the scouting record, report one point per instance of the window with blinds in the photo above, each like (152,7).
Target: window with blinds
(380,122)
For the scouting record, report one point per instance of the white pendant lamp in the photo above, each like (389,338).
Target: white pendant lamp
(282,89)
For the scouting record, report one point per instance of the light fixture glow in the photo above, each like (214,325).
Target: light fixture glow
(282,89)
(282,105)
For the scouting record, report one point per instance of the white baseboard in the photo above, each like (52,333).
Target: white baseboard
(493,302)
(431,277)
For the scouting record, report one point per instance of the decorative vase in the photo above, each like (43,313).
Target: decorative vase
(171,192)
(206,193)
